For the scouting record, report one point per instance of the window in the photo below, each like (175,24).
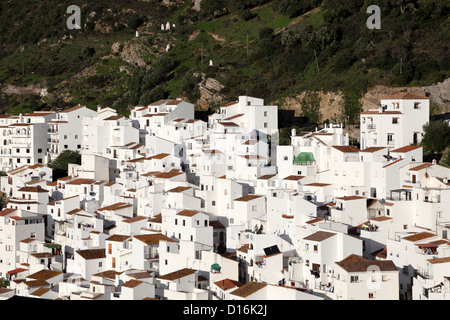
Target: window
(255,208)
(307,263)
(371,295)
(265,125)
(265,113)
(354,279)
(384,278)
(176,221)
(213,203)
(39,150)
(315,248)
(394,120)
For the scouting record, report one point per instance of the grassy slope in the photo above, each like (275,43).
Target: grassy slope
(222,40)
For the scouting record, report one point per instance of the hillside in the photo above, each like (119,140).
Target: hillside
(277,50)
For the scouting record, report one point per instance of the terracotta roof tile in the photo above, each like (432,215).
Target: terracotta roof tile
(153,238)
(249,289)
(118,238)
(347,149)
(406,149)
(177,274)
(188,213)
(90,254)
(319,236)
(419,236)
(248,197)
(354,263)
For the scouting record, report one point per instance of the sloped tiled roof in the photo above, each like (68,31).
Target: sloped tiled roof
(354,263)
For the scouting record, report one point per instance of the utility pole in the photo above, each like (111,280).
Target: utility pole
(317,64)
(247,43)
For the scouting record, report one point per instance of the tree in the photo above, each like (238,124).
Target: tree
(4,283)
(208,8)
(62,161)
(436,137)
(311,107)
(352,106)
(267,45)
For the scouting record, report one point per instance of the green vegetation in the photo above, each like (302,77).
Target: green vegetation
(4,283)
(265,48)
(311,107)
(436,138)
(61,163)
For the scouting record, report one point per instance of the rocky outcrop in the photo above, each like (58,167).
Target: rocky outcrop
(371,99)
(131,53)
(32,89)
(440,93)
(330,105)
(210,92)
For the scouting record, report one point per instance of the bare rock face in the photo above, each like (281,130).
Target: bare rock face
(131,53)
(210,92)
(330,104)
(440,93)
(32,89)
(371,100)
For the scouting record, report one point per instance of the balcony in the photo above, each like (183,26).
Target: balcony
(150,256)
